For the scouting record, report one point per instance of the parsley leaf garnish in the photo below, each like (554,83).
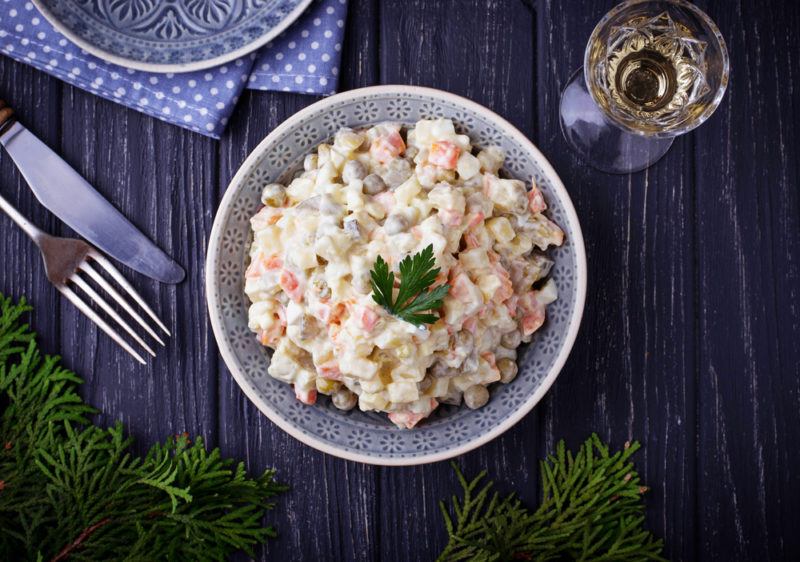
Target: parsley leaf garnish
(417,273)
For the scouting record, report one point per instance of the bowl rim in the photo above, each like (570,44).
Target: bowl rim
(164,68)
(576,239)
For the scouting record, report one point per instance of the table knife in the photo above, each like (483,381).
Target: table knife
(72,199)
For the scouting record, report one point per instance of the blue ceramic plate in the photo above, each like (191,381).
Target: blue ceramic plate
(170,35)
(370,437)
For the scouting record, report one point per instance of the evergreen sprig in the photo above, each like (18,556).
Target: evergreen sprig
(591,509)
(72,490)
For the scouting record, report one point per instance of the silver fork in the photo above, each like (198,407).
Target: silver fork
(64,260)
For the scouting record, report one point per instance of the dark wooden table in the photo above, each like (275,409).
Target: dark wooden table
(691,338)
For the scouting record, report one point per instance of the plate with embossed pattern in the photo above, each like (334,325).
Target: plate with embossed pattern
(370,437)
(170,35)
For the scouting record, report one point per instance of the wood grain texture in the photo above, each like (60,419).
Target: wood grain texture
(36,96)
(631,374)
(748,251)
(691,338)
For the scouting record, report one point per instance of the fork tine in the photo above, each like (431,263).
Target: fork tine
(93,316)
(105,264)
(108,288)
(100,301)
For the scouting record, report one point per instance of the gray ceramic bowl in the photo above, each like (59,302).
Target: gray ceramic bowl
(370,437)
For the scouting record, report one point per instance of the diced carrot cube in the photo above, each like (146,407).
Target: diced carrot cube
(330,370)
(444,154)
(368,318)
(306,396)
(387,147)
(289,283)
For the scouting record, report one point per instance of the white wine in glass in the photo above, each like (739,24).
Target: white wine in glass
(653,70)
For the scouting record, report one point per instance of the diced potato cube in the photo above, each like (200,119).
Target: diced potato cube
(372,386)
(327,386)
(284,364)
(402,391)
(339,157)
(325,248)
(548,293)
(408,373)
(375,210)
(423,406)
(403,351)
(474,259)
(327,174)
(261,315)
(463,382)
(491,159)
(269,238)
(464,300)
(509,196)
(358,367)
(438,387)
(468,165)
(304,257)
(423,207)
(488,284)
(546,232)
(487,372)
(300,189)
(369,401)
(305,379)
(323,154)
(332,246)
(354,196)
(520,245)
(348,140)
(407,191)
(444,196)
(500,228)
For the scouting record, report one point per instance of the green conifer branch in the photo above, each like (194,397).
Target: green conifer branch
(591,509)
(70,490)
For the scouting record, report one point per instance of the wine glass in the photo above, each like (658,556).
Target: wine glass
(653,70)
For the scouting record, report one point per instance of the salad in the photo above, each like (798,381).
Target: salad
(382,195)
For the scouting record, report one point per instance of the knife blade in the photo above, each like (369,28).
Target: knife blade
(72,199)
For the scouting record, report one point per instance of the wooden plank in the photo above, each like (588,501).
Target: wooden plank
(483,51)
(331,511)
(748,282)
(631,372)
(162,178)
(35,99)
(690,340)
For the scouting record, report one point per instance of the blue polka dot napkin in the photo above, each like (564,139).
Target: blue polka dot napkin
(304,58)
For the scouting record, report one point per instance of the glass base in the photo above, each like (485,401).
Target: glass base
(599,142)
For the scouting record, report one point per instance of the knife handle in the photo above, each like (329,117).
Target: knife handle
(6,117)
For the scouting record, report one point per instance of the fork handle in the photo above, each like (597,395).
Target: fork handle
(6,117)
(21,221)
